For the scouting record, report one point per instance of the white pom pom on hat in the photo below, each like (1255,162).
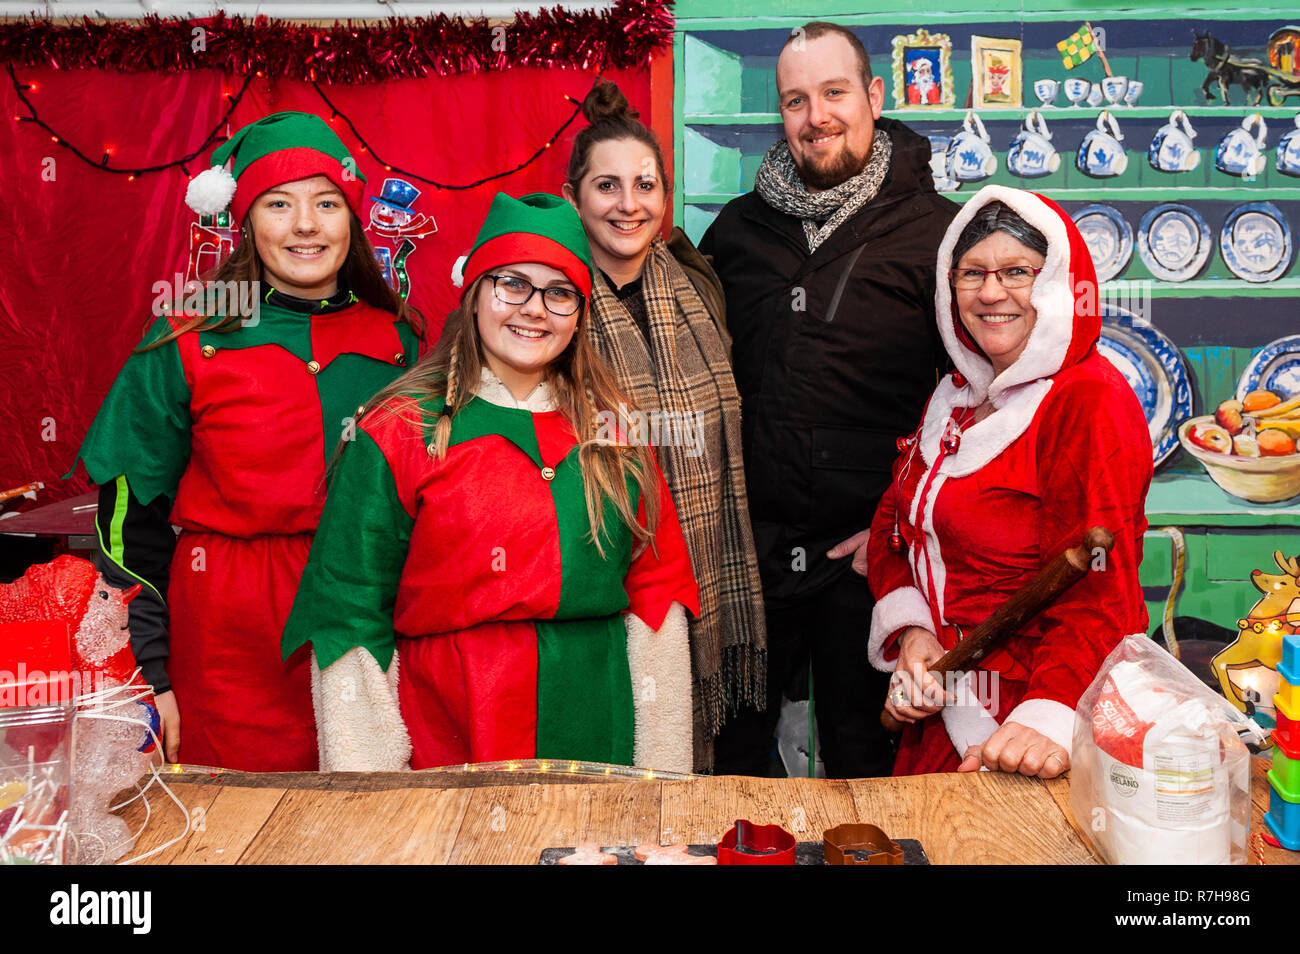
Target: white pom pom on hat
(210,192)
(458,271)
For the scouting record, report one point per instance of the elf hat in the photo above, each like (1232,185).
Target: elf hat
(540,228)
(279,148)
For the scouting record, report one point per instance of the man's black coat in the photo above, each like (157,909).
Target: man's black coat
(835,354)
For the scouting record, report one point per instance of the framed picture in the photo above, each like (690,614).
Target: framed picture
(997,73)
(923,71)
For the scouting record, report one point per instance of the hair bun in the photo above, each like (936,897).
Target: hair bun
(606,101)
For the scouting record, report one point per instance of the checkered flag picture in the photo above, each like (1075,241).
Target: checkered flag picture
(1078,47)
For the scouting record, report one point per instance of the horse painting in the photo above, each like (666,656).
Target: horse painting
(1250,74)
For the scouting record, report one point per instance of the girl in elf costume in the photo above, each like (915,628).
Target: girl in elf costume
(497,575)
(222,423)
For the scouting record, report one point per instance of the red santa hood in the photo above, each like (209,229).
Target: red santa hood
(1065,332)
(1065,295)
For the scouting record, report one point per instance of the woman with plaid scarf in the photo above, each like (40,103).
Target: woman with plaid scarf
(658,320)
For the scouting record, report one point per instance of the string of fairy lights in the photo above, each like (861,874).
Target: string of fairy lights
(103,163)
(217,135)
(336,113)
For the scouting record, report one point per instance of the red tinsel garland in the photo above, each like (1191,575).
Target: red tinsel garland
(621,38)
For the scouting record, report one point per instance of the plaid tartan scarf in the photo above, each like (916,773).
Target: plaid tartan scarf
(682,372)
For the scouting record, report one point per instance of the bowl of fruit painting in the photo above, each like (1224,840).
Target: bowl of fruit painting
(1248,447)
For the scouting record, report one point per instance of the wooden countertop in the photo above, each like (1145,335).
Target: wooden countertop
(508,818)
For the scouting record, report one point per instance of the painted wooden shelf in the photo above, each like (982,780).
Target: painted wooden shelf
(773,14)
(1195,500)
(1213,288)
(1099,193)
(1050,113)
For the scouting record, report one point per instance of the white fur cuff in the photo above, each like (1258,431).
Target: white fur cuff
(359,726)
(660,663)
(903,607)
(1046,717)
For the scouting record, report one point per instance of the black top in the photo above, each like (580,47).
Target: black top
(630,296)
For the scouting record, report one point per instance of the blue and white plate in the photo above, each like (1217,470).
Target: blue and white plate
(1276,368)
(1154,367)
(1256,242)
(1174,242)
(1109,238)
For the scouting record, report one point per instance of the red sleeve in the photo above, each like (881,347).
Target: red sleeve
(661,574)
(1094,453)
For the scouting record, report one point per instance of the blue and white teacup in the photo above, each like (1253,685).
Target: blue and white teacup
(1288,151)
(939,165)
(1114,88)
(1100,153)
(1133,92)
(1240,152)
(1172,149)
(1077,89)
(1095,96)
(1046,90)
(970,158)
(1032,154)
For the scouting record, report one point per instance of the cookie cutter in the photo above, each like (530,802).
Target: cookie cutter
(858,844)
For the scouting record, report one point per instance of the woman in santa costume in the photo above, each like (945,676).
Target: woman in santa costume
(497,574)
(1031,441)
(223,421)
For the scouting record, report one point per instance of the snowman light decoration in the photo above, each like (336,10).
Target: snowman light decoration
(393,217)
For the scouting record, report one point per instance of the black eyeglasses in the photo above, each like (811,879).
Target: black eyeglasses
(557,299)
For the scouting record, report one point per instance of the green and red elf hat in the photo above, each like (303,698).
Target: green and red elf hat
(279,148)
(540,228)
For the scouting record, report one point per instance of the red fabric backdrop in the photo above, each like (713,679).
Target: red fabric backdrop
(82,248)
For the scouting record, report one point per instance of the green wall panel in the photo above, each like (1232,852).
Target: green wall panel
(713,78)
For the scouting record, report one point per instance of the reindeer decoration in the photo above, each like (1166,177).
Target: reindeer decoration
(1247,669)
(1250,74)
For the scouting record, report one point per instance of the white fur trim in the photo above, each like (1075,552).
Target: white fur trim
(458,271)
(905,606)
(935,568)
(359,726)
(1046,717)
(968,723)
(492,390)
(660,663)
(984,441)
(210,191)
(1052,298)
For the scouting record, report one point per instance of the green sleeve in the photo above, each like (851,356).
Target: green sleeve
(142,429)
(349,587)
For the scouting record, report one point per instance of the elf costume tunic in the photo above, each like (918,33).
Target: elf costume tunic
(1066,448)
(227,435)
(516,638)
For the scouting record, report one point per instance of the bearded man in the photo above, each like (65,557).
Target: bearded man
(828,270)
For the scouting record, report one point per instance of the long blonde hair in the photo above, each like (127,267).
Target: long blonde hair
(583,388)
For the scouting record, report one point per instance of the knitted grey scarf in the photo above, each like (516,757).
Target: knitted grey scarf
(822,213)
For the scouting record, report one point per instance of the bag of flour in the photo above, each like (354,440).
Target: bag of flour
(1159,772)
